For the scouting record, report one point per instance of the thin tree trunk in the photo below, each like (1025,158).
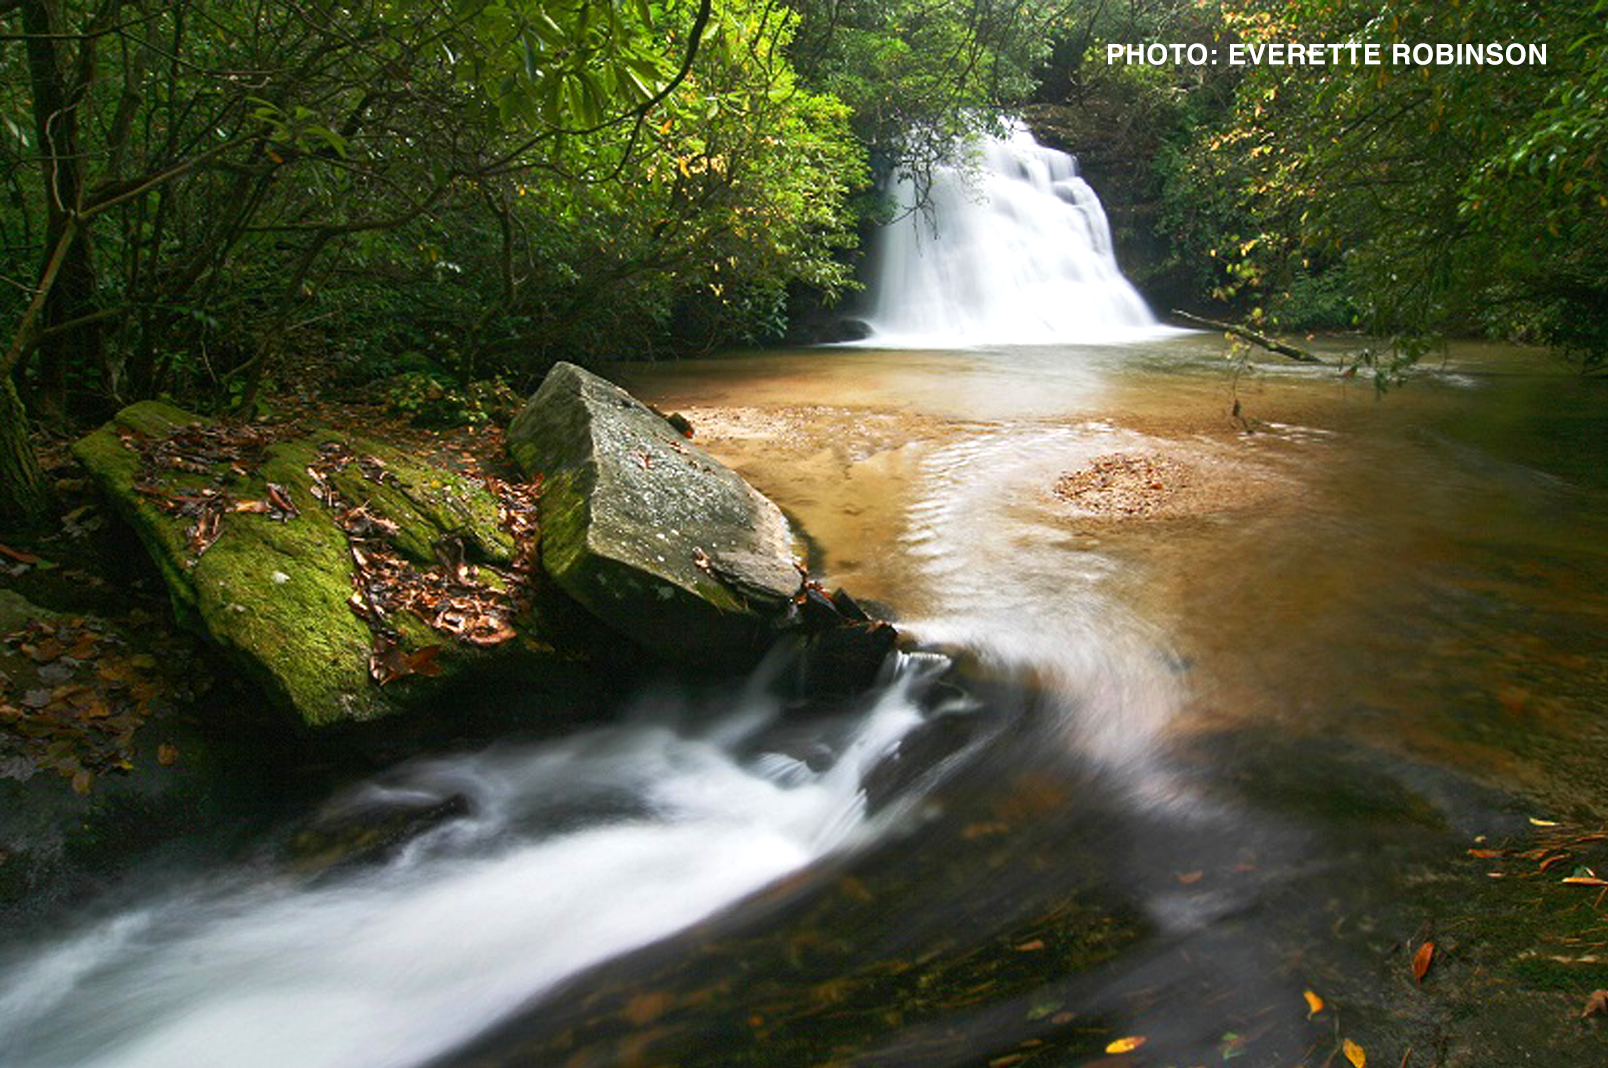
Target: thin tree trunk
(70,293)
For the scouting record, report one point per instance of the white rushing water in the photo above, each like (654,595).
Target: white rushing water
(574,851)
(1017,252)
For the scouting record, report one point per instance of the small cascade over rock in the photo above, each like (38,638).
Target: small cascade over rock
(1014,251)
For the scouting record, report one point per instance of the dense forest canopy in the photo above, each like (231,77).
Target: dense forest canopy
(461,189)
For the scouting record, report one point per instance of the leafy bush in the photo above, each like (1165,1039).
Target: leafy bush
(433,403)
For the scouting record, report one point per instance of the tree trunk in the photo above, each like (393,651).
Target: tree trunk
(57,95)
(24,498)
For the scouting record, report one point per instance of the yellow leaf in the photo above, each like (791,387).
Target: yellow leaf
(1314,1004)
(1543,823)
(1126,1045)
(1355,1055)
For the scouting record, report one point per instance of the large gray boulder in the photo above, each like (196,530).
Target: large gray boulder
(658,539)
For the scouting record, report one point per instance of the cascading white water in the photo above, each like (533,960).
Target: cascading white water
(575,851)
(1016,253)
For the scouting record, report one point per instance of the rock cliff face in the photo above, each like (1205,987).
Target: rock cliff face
(658,539)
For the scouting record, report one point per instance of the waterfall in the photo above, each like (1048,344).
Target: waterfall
(1014,252)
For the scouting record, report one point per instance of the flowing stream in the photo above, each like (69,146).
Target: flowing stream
(573,851)
(1213,710)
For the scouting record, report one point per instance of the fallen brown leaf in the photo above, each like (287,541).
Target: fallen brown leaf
(1596,1004)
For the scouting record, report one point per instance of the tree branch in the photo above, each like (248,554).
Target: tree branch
(1280,347)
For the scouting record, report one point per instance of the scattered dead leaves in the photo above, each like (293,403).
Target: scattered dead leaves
(75,695)
(470,602)
(192,474)
(196,472)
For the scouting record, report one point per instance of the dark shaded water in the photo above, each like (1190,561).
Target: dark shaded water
(1197,764)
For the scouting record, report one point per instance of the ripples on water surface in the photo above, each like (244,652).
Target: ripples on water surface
(1200,756)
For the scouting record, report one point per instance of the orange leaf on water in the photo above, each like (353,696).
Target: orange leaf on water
(1314,1004)
(1126,1045)
(1422,960)
(1355,1054)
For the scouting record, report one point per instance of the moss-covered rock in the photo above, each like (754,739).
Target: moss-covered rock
(273,590)
(658,539)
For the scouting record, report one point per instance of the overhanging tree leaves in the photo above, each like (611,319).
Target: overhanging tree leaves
(202,187)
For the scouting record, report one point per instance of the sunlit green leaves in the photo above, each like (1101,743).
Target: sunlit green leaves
(1448,198)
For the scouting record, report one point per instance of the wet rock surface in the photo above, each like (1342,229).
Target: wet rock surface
(657,538)
(369,829)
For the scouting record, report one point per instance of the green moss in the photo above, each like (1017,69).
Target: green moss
(114,468)
(565,517)
(275,594)
(427,503)
(154,419)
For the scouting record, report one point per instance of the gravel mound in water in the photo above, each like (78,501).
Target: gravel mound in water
(1152,485)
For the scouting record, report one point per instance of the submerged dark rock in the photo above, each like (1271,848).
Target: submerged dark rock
(369,829)
(846,657)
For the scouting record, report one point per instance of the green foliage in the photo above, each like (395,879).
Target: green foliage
(493,182)
(1431,199)
(429,402)
(917,75)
